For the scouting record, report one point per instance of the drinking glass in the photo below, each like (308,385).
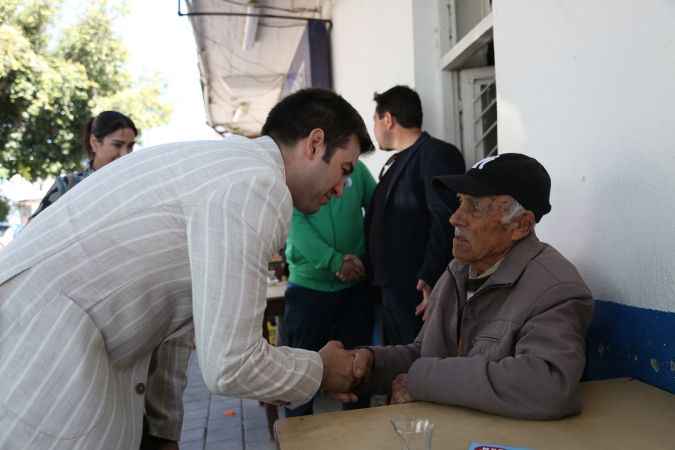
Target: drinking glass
(414,432)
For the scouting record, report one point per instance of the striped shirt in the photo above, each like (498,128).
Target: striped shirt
(156,241)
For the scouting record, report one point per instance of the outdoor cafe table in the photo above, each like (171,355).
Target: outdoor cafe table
(618,414)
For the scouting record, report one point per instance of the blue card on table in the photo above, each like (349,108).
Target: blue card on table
(477,446)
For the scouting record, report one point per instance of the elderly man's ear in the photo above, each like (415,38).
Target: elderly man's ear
(523,226)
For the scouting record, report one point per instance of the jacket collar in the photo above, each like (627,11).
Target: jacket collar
(272,152)
(510,269)
(403,159)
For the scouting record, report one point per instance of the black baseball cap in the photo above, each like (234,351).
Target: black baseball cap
(514,174)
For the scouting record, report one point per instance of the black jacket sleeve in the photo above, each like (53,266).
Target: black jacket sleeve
(440,158)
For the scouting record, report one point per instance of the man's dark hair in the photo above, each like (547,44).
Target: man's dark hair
(401,102)
(295,116)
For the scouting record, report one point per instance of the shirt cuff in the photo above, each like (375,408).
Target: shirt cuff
(314,373)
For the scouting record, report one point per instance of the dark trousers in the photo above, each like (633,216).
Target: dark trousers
(312,318)
(149,442)
(400,325)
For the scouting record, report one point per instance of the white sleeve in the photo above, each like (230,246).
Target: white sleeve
(232,234)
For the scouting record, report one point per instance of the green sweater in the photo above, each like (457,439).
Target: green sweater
(317,242)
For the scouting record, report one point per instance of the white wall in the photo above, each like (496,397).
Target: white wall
(588,88)
(431,38)
(372,51)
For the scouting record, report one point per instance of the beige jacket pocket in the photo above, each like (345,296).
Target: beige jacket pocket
(54,369)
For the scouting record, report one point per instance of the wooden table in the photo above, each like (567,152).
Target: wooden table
(275,308)
(618,414)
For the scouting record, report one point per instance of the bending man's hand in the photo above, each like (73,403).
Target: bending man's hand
(338,374)
(362,364)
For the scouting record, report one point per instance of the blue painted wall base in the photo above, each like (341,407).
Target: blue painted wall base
(625,341)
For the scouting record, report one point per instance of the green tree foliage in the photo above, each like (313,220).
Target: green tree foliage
(4,208)
(51,83)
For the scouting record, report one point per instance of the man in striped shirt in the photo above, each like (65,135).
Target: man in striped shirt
(159,242)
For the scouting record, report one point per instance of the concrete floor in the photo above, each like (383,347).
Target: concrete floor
(206,427)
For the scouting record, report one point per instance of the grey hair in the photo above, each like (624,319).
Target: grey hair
(513,210)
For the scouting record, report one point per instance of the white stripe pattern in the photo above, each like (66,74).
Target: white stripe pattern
(168,238)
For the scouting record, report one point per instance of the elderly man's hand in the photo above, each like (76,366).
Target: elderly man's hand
(338,373)
(362,364)
(399,390)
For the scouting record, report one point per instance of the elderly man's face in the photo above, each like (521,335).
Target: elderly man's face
(480,238)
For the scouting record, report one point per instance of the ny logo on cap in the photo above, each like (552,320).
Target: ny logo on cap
(479,165)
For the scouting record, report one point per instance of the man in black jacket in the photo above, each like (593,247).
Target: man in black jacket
(407,231)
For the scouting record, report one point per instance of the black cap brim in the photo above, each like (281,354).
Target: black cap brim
(463,184)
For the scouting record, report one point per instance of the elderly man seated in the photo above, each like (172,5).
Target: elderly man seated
(510,314)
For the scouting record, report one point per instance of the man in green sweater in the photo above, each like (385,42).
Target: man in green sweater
(327,297)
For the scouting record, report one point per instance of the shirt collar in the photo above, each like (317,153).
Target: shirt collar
(272,150)
(509,268)
(487,273)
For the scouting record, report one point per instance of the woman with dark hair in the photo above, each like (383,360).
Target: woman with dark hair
(106,137)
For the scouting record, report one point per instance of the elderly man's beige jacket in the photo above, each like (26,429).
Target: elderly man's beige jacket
(515,348)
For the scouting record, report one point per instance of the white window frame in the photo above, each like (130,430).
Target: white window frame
(472,82)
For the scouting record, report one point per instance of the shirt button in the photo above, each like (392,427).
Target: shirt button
(140,389)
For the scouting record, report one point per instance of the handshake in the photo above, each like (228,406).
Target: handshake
(344,370)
